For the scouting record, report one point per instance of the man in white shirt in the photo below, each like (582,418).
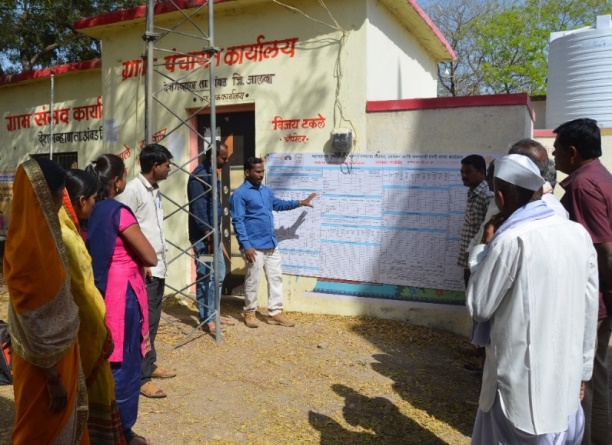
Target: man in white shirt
(142,195)
(536,283)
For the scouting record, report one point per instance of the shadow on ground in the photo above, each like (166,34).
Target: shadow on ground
(429,398)
(382,419)
(435,380)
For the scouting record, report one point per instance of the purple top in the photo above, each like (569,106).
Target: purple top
(588,200)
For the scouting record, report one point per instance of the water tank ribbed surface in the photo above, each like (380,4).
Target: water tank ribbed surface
(580,75)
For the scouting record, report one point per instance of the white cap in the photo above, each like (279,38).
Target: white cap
(519,170)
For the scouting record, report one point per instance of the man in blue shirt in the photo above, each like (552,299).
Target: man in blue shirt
(251,207)
(199,193)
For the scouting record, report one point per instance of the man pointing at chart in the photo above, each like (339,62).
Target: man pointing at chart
(251,207)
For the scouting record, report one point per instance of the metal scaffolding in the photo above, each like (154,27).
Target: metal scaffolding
(155,38)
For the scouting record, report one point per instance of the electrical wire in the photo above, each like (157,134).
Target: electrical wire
(338,68)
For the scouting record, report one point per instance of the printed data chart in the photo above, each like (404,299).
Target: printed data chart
(378,218)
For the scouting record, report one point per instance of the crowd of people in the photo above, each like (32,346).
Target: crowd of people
(85,265)
(538,275)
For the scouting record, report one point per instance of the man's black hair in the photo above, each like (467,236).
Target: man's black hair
(476,161)
(153,154)
(584,134)
(249,163)
(209,152)
(550,173)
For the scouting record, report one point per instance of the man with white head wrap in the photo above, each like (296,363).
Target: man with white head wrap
(542,316)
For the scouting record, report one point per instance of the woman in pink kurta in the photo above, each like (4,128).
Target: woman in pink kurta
(119,253)
(125,270)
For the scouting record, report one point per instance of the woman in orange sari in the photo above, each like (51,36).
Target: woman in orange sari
(49,386)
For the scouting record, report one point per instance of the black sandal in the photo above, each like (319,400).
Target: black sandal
(141,439)
(473,367)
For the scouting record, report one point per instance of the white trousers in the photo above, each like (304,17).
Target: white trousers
(493,428)
(270,261)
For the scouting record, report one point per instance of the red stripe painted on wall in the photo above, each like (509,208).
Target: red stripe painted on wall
(56,70)
(139,12)
(451,102)
(544,134)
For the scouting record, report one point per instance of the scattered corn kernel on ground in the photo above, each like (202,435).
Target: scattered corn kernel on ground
(329,380)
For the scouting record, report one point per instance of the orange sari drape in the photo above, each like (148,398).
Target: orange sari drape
(43,319)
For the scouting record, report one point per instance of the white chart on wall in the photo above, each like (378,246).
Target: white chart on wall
(379,218)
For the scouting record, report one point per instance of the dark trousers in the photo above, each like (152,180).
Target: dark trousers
(155,294)
(126,373)
(466,276)
(595,402)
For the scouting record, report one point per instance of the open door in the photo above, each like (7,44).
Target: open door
(237,130)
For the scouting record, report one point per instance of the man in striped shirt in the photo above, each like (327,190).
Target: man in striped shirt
(473,171)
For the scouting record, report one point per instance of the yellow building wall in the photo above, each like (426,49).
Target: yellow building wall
(72,91)
(24,107)
(333,71)
(302,85)
(398,67)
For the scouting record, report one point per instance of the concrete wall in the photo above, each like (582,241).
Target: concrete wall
(26,135)
(539,107)
(486,129)
(398,67)
(447,129)
(72,90)
(303,86)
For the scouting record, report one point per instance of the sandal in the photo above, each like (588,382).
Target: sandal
(473,367)
(151,391)
(210,328)
(139,440)
(160,373)
(226,321)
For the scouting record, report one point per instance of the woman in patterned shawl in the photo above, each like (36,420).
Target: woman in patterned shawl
(49,386)
(95,340)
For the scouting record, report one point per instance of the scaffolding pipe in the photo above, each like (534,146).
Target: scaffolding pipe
(213,158)
(150,41)
(51,120)
(151,38)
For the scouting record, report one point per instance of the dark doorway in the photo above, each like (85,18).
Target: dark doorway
(237,131)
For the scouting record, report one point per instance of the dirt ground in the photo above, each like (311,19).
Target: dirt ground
(329,380)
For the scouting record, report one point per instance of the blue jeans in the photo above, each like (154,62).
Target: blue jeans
(205,293)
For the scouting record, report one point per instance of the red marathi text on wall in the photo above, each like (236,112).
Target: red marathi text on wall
(233,55)
(60,115)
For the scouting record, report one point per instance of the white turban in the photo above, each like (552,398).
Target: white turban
(519,170)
